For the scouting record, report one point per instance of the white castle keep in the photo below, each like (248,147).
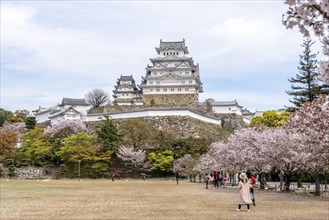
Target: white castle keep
(172,80)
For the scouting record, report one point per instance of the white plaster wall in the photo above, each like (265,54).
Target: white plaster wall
(227,109)
(82,109)
(42,117)
(154,113)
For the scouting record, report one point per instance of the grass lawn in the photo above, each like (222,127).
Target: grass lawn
(150,199)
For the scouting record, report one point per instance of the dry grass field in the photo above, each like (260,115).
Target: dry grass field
(150,199)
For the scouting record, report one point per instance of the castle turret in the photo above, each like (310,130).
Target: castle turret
(126,92)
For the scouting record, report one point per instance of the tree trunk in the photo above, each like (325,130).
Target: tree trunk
(262,181)
(299,183)
(317,185)
(281,181)
(287,182)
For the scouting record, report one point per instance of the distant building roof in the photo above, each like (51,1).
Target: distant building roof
(63,112)
(176,44)
(225,103)
(69,101)
(172,44)
(126,78)
(247,112)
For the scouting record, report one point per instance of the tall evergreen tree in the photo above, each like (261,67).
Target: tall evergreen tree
(305,86)
(30,122)
(108,134)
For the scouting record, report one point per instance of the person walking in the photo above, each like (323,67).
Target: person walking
(252,181)
(177,177)
(216,179)
(225,179)
(206,178)
(220,179)
(244,187)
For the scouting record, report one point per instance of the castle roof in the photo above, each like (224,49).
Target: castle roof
(62,112)
(69,101)
(226,103)
(178,45)
(126,78)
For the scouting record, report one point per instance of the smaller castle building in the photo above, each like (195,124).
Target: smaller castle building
(126,92)
(69,109)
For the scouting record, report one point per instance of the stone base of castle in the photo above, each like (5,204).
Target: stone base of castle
(166,100)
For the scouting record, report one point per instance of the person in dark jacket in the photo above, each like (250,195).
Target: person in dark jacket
(177,177)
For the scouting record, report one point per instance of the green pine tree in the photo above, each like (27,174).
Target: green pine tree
(30,122)
(305,86)
(108,134)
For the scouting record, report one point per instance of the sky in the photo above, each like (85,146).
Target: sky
(56,49)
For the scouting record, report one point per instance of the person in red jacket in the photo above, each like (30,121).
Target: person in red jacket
(252,181)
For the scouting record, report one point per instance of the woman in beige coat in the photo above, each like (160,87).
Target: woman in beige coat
(244,187)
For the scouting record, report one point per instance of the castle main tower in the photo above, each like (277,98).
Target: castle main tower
(173,79)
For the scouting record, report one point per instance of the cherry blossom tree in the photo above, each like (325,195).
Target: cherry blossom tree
(311,15)
(134,159)
(184,165)
(249,152)
(257,149)
(65,128)
(18,128)
(284,151)
(312,122)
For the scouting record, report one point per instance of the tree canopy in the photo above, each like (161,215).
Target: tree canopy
(97,98)
(270,119)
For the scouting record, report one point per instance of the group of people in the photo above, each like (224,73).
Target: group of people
(216,179)
(246,187)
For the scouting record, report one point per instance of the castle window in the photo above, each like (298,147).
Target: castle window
(172,89)
(165,90)
(151,90)
(164,53)
(150,82)
(177,53)
(158,90)
(158,82)
(186,89)
(187,72)
(179,89)
(155,73)
(183,82)
(190,81)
